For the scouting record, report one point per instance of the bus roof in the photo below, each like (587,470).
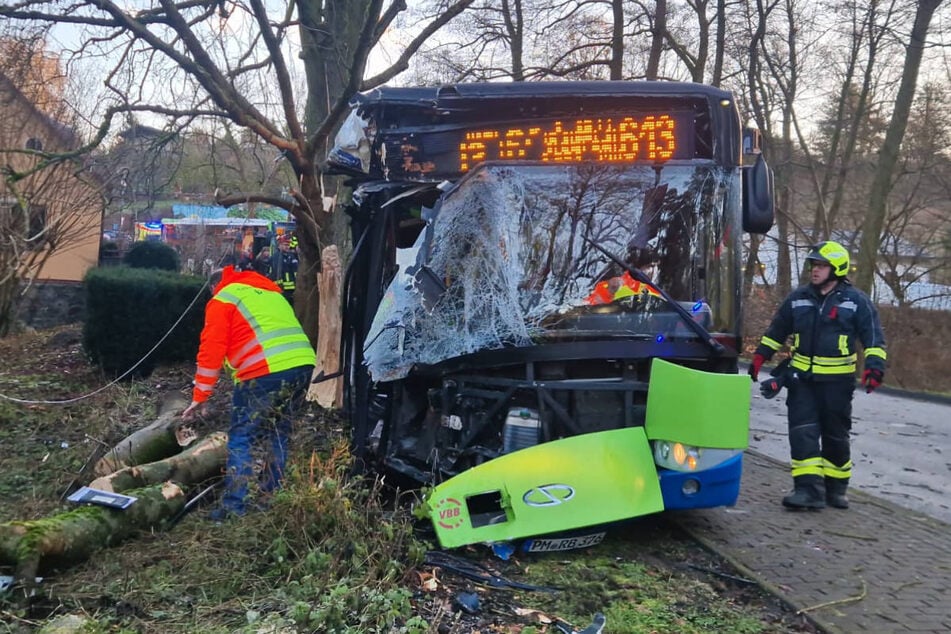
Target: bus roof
(490,90)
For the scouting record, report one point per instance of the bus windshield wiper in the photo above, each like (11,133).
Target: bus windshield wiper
(639,275)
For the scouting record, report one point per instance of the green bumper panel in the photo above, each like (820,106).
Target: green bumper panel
(704,409)
(555,486)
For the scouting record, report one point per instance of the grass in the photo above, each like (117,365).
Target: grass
(331,554)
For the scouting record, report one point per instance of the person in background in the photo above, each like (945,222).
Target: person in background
(826,318)
(252,329)
(262,262)
(287,266)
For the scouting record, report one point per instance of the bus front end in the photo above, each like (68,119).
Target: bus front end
(549,341)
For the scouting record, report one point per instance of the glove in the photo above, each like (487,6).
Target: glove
(770,387)
(872,378)
(758,361)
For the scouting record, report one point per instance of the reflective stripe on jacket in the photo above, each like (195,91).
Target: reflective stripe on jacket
(251,327)
(825,330)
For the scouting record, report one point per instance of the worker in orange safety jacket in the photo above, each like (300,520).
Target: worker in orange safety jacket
(616,288)
(250,328)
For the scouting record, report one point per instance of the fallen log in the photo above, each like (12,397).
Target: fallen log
(203,460)
(164,437)
(74,535)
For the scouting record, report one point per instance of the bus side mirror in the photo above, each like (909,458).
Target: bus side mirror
(758,209)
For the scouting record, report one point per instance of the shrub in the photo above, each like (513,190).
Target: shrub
(152,255)
(130,310)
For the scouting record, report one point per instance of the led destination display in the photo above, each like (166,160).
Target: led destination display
(604,133)
(621,139)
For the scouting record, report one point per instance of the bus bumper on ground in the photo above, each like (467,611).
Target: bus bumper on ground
(605,476)
(556,486)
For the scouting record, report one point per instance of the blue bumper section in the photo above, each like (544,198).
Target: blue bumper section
(719,486)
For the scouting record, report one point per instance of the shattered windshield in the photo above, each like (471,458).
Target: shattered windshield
(506,260)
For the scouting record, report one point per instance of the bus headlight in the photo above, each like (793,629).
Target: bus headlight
(680,457)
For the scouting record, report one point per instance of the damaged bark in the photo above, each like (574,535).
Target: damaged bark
(329,394)
(201,461)
(164,437)
(74,535)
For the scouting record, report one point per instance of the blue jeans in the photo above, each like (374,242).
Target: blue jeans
(262,413)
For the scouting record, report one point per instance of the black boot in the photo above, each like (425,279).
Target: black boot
(835,492)
(808,494)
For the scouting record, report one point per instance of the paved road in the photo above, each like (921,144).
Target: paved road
(883,565)
(901,447)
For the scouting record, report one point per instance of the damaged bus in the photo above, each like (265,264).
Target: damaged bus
(542,309)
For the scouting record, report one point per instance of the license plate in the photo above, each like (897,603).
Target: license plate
(563,543)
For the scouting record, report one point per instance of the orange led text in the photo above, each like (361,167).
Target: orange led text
(606,140)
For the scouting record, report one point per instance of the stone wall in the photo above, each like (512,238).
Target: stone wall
(49,304)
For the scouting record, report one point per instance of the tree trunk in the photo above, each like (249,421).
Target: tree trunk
(657,39)
(73,536)
(515,29)
(616,63)
(201,461)
(8,289)
(329,393)
(883,180)
(165,437)
(314,231)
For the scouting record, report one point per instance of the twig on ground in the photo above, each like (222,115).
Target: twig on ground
(858,597)
(6,614)
(867,538)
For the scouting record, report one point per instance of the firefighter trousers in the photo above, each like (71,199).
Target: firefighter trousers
(820,419)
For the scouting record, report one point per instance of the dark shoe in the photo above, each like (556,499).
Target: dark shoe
(803,499)
(835,492)
(837,500)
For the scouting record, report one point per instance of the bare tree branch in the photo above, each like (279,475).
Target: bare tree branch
(402,63)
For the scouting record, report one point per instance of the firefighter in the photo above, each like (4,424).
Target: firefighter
(826,318)
(287,264)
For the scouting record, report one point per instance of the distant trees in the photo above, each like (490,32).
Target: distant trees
(223,157)
(283,71)
(830,84)
(821,80)
(884,179)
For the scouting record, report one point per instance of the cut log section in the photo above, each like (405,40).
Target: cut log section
(73,536)
(163,438)
(203,460)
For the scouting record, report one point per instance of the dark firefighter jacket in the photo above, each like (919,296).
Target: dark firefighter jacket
(825,330)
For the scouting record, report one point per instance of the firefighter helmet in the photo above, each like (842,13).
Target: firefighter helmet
(833,254)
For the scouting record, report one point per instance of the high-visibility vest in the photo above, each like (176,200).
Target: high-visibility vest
(252,328)
(627,286)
